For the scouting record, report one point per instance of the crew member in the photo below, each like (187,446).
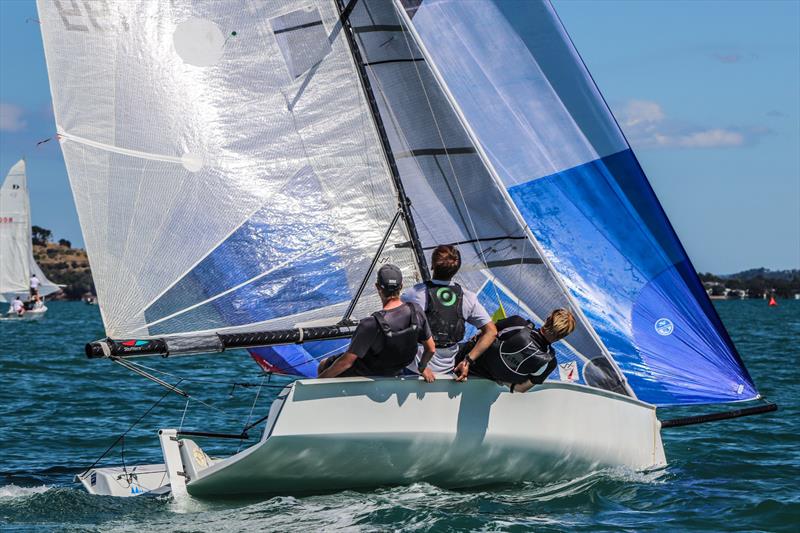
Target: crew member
(521,356)
(18,307)
(449,307)
(385,342)
(34,287)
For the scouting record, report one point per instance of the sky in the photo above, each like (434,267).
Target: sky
(707,93)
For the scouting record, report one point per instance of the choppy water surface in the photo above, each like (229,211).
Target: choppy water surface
(60,411)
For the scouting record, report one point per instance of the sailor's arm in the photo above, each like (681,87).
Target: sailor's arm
(429,348)
(486,338)
(342,363)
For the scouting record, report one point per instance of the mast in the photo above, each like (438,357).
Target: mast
(404,201)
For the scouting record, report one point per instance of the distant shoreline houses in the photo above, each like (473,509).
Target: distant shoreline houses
(759,283)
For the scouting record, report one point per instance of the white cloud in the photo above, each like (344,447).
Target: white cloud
(646,125)
(637,112)
(712,138)
(11,118)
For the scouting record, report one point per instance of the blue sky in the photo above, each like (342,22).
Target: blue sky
(708,93)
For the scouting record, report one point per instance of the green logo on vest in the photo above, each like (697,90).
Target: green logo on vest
(446,296)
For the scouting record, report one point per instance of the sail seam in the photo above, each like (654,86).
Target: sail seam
(118,150)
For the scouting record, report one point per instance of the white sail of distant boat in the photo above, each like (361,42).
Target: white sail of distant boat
(240,168)
(16,247)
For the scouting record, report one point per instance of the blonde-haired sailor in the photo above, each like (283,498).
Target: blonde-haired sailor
(521,356)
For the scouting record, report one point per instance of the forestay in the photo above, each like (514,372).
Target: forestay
(549,139)
(224,163)
(16,248)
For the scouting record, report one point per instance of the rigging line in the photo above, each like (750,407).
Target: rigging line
(170,388)
(216,381)
(519,270)
(121,437)
(372,265)
(250,414)
(152,378)
(183,417)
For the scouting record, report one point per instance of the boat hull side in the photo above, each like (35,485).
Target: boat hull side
(351,433)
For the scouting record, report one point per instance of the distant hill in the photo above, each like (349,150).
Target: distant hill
(65,265)
(756,282)
(765,273)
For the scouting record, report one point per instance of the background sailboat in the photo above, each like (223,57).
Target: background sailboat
(239,170)
(16,247)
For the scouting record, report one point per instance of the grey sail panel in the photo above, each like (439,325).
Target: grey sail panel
(454,197)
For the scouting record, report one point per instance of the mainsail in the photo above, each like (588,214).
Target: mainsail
(236,165)
(16,248)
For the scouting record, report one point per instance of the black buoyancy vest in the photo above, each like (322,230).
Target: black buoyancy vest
(445,313)
(400,346)
(520,352)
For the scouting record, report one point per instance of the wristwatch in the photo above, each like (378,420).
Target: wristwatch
(421,368)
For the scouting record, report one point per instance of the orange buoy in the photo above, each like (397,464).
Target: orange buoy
(772,302)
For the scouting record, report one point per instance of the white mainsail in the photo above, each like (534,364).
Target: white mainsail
(16,248)
(223,161)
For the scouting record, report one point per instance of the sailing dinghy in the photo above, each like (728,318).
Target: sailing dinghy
(240,169)
(16,247)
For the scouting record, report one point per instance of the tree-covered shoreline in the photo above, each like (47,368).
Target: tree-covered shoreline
(753,283)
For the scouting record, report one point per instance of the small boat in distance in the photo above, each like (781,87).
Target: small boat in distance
(16,249)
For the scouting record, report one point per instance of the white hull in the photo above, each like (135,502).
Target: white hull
(356,432)
(33,314)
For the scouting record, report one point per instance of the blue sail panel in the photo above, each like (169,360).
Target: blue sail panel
(544,130)
(297,359)
(603,223)
(278,263)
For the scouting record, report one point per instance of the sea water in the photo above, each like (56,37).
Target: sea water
(60,412)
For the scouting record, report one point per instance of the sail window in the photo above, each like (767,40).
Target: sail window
(302,39)
(198,42)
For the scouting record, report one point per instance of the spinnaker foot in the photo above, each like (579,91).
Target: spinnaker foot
(218,342)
